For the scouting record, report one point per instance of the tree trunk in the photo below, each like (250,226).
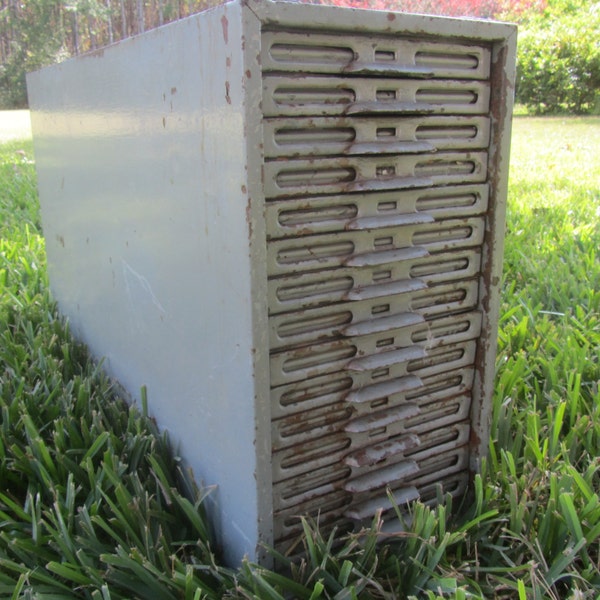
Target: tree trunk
(140,16)
(75,33)
(109,23)
(123,20)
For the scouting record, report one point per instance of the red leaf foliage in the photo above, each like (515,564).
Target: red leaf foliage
(505,9)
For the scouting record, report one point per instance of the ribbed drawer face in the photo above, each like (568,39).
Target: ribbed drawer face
(373,55)
(289,137)
(302,177)
(375,176)
(306,96)
(299,216)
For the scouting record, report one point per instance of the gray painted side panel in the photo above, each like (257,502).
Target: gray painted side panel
(141,157)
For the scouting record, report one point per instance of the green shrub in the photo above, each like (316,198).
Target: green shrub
(558,66)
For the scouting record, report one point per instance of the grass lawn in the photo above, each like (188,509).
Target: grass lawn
(92,504)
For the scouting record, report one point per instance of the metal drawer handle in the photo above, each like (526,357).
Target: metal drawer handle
(383,324)
(389,70)
(387,359)
(385,289)
(393,220)
(389,107)
(383,147)
(378,452)
(382,477)
(386,257)
(386,388)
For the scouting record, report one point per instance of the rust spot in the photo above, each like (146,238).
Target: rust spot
(228,61)
(173,91)
(227,96)
(391,16)
(244,189)
(248,74)
(225,25)
(249,217)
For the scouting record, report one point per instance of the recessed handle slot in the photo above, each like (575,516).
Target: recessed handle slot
(433,132)
(306,96)
(297,326)
(436,60)
(312,135)
(304,177)
(442,96)
(307,216)
(313,252)
(311,54)
(307,392)
(308,358)
(335,285)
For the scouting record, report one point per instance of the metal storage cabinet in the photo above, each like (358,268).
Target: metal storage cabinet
(286,221)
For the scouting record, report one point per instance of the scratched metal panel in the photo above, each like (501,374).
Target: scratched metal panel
(145,259)
(376,56)
(303,177)
(297,96)
(294,137)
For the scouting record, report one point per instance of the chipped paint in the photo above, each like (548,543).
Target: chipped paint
(225,28)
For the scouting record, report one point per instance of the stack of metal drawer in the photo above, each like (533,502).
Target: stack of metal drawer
(375,179)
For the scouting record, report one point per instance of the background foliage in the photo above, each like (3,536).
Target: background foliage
(559,60)
(559,40)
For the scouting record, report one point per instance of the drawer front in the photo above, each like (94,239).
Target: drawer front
(378,56)
(303,177)
(364,348)
(306,136)
(297,96)
(305,290)
(372,248)
(341,212)
(331,321)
